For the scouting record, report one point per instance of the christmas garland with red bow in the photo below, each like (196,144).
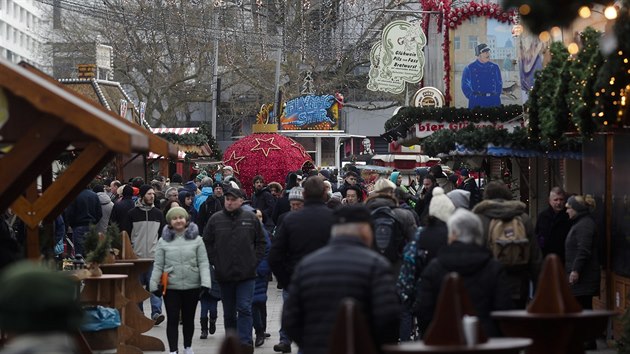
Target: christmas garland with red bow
(454,18)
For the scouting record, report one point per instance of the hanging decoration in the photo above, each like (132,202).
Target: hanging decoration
(408,116)
(265,145)
(271,155)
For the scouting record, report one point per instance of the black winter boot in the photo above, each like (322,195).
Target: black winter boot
(213,326)
(204,328)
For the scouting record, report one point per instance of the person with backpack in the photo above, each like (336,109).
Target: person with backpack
(424,246)
(393,226)
(509,234)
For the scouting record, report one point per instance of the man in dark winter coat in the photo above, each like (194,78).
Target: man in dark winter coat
(235,243)
(84,211)
(469,184)
(210,206)
(262,198)
(553,225)
(484,278)
(122,207)
(424,198)
(144,224)
(346,267)
(498,204)
(301,232)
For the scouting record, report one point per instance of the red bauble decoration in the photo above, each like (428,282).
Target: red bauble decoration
(271,155)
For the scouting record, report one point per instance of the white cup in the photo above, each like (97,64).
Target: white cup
(471,327)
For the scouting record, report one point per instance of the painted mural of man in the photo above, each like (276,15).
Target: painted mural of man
(481,80)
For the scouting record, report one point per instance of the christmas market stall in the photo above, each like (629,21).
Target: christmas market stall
(112,96)
(40,120)
(195,146)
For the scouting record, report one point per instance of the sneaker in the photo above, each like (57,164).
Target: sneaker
(267,335)
(158,318)
(260,340)
(204,334)
(188,350)
(282,348)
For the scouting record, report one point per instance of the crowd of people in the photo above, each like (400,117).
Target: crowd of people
(387,245)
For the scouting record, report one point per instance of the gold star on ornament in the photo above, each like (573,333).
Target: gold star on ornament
(234,164)
(300,148)
(265,149)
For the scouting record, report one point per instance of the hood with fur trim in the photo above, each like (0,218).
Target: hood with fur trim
(500,209)
(192,231)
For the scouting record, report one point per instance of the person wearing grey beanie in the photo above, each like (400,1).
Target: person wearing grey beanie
(460,198)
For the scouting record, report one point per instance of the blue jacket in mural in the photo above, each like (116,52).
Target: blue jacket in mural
(482,84)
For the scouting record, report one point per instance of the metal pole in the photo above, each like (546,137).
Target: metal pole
(215,74)
(276,108)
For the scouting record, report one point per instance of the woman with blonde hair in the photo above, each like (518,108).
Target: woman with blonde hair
(582,258)
(181,254)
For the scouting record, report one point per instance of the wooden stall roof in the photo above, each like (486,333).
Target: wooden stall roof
(107,93)
(44,120)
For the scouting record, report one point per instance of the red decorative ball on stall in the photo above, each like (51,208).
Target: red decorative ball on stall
(272,156)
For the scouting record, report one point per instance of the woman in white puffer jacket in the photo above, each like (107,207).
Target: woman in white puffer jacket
(181,254)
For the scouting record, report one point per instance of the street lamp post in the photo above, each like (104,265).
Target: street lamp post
(215,74)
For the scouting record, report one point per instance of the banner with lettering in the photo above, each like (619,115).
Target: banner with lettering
(424,129)
(398,57)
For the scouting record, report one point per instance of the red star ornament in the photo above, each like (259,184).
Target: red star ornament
(265,149)
(236,160)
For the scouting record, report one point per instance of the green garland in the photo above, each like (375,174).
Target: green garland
(408,116)
(614,75)
(201,137)
(548,86)
(583,73)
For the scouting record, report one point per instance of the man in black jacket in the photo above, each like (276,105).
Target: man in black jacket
(212,204)
(553,225)
(346,267)
(301,233)
(235,244)
(262,198)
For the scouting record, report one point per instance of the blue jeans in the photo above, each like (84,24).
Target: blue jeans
(78,238)
(237,308)
(284,338)
(208,305)
(156,302)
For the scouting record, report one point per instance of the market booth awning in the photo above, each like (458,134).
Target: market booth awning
(183,149)
(39,120)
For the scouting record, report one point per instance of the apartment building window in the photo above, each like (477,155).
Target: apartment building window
(472,42)
(9,5)
(1,28)
(457,42)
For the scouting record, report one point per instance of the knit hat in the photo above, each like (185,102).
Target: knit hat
(394,176)
(175,212)
(143,190)
(34,299)
(325,173)
(191,187)
(337,195)
(460,198)
(580,208)
(382,184)
(98,188)
(464,172)
(441,206)
(296,193)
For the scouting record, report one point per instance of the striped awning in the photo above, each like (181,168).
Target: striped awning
(199,150)
(178,131)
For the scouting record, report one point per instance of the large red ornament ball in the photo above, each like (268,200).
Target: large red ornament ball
(271,155)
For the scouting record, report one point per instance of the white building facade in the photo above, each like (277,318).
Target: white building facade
(20,32)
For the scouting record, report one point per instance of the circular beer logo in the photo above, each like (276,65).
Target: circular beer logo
(428,97)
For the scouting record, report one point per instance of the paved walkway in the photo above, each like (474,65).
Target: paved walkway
(274,310)
(213,343)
